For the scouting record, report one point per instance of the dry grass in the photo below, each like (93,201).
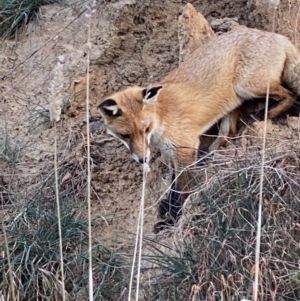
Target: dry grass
(213,255)
(9,151)
(31,230)
(16,13)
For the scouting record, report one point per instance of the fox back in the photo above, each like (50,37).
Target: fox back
(213,81)
(217,78)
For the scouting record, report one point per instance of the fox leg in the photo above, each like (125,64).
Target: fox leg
(182,178)
(234,116)
(182,182)
(227,127)
(287,100)
(169,208)
(284,100)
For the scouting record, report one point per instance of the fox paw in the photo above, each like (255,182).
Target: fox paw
(260,115)
(164,209)
(163,225)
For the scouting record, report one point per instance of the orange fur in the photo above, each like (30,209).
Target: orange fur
(216,79)
(210,84)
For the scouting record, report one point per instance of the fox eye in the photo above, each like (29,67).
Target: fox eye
(147,129)
(125,136)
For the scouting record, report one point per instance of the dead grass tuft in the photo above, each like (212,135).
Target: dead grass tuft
(29,221)
(213,253)
(33,244)
(16,13)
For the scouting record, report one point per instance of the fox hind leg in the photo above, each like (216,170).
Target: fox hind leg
(287,100)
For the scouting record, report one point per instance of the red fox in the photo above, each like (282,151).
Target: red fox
(209,85)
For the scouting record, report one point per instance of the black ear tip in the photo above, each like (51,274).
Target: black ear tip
(155,89)
(151,92)
(107,103)
(144,92)
(109,107)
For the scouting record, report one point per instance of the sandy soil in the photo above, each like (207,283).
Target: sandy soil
(132,42)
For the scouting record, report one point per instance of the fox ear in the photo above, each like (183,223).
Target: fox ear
(109,108)
(150,95)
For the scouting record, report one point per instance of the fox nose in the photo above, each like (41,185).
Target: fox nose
(142,160)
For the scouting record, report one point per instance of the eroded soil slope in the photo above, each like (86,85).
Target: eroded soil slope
(133,42)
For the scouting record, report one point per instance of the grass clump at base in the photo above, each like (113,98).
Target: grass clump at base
(33,243)
(15,13)
(9,153)
(212,256)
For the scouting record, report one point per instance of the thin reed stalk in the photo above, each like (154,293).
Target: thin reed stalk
(11,278)
(59,216)
(259,218)
(88,15)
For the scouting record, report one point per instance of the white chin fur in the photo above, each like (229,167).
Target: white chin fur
(127,146)
(148,155)
(114,135)
(136,158)
(146,167)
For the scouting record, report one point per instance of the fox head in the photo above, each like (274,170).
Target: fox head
(128,116)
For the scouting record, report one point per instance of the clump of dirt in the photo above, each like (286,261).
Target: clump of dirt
(132,43)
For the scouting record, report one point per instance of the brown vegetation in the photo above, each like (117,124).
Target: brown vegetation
(210,255)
